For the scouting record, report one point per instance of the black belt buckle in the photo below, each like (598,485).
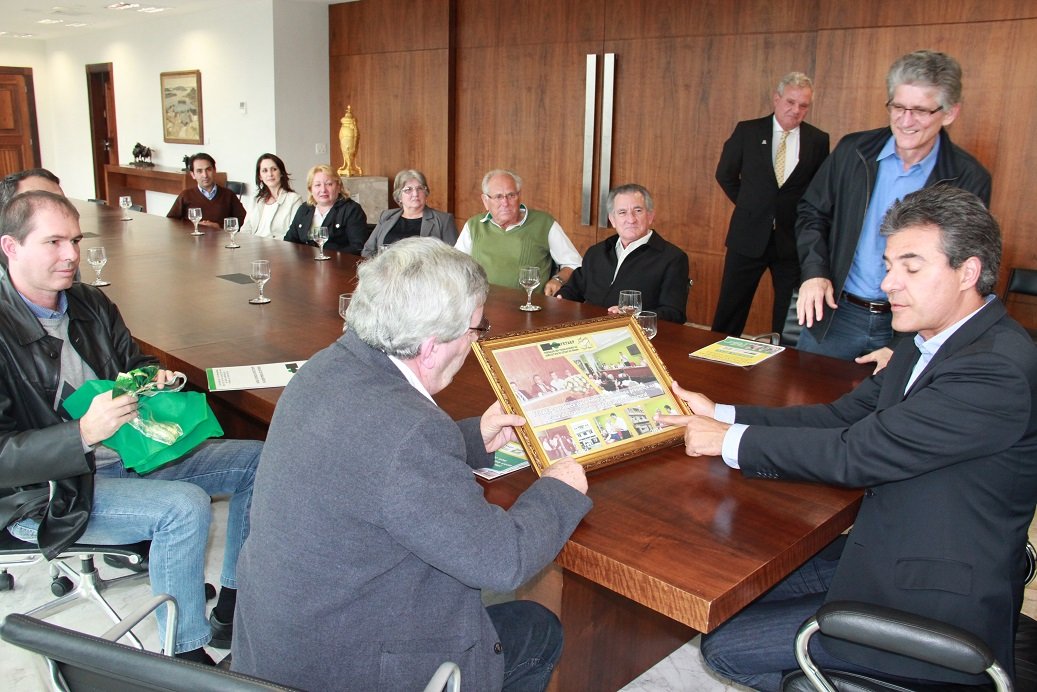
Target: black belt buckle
(875,307)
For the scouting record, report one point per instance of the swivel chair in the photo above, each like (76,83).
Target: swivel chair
(914,636)
(71,586)
(85,662)
(1023,282)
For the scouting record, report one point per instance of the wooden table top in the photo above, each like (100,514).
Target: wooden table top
(688,538)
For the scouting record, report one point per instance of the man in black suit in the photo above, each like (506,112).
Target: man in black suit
(944,441)
(762,231)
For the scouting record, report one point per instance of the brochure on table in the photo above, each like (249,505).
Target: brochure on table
(735,351)
(251,376)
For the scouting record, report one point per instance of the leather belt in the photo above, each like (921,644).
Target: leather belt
(876,307)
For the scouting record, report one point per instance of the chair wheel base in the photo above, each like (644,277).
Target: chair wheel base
(61,586)
(210,591)
(6,581)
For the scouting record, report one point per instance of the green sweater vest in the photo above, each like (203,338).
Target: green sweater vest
(502,253)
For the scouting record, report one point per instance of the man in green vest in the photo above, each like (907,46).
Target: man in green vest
(510,235)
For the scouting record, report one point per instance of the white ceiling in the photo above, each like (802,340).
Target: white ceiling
(23,16)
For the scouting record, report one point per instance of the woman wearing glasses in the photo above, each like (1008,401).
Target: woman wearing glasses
(412,218)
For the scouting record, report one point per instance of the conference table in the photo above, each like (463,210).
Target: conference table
(673,545)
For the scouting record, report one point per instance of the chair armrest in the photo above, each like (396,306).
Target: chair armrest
(117,631)
(906,634)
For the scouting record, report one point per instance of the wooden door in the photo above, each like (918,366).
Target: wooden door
(100,91)
(19,141)
(520,102)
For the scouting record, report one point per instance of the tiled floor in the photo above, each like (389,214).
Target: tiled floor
(23,672)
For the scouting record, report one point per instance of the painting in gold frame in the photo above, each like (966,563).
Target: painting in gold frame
(588,389)
(182,107)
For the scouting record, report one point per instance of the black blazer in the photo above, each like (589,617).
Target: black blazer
(746,174)
(950,471)
(346,222)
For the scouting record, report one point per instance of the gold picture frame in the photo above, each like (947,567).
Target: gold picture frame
(588,389)
(182,107)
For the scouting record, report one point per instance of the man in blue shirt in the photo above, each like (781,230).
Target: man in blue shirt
(841,306)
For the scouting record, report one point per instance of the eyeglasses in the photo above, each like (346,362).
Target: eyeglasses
(501,196)
(413,190)
(896,110)
(482,329)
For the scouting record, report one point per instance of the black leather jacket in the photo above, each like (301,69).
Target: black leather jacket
(832,210)
(36,444)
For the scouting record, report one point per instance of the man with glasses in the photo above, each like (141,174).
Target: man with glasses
(509,236)
(843,310)
(366,559)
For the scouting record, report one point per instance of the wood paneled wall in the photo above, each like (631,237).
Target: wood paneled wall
(512,75)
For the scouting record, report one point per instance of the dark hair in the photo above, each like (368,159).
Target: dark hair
(9,185)
(200,156)
(262,193)
(967,229)
(16,219)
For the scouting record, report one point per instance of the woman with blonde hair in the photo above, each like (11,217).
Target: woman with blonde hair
(329,206)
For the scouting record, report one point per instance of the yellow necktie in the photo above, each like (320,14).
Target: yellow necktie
(779,160)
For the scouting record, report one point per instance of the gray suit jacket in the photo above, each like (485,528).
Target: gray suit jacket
(434,224)
(950,470)
(371,538)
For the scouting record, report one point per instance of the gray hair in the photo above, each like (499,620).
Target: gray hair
(414,289)
(403,177)
(629,189)
(967,229)
(928,68)
(500,171)
(18,218)
(796,80)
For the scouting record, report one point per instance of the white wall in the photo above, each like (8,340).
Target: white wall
(235,45)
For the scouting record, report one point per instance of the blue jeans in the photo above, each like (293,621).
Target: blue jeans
(757,646)
(853,332)
(170,507)
(531,637)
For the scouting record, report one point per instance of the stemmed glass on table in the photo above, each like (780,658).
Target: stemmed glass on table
(343,305)
(529,278)
(126,202)
(194,215)
(96,257)
(320,236)
(260,274)
(649,323)
(231,226)
(629,302)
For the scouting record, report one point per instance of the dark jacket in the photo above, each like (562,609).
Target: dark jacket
(434,224)
(950,469)
(36,444)
(832,210)
(659,269)
(346,222)
(746,174)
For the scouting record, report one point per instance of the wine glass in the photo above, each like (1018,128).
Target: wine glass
(320,236)
(96,257)
(629,302)
(529,278)
(231,226)
(649,323)
(343,304)
(260,274)
(194,215)
(126,202)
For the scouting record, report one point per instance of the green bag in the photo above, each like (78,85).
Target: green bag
(139,452)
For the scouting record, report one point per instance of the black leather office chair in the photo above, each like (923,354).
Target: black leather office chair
(236,187)
(71,586)
(915,636)
(1023,282)
(85,662)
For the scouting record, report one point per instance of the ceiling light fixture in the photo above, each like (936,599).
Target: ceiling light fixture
(123,6)
(153,9)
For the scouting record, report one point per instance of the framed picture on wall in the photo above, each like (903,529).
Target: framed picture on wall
(182,107)
(588,389)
